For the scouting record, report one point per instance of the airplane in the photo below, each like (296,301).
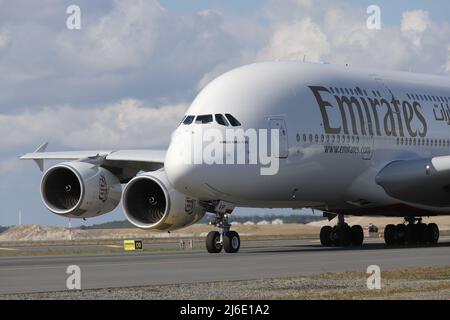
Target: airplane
(345,141)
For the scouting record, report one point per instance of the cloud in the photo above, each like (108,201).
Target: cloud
(415,20)
(141,50)
(414,24)
(121,125)
(124,38)
(336,32)
(296,40)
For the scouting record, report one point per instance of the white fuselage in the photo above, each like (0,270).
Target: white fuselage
(341,126)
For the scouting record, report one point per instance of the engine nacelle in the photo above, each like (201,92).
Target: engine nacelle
(80,190)
(150,202)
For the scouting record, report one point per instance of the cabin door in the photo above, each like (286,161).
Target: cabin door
(279,124)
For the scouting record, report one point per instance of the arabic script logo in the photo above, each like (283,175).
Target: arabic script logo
(103,188)
(189,206)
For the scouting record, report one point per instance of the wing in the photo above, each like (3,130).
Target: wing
(423,181)
(124,163)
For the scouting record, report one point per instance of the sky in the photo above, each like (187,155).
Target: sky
(124,79)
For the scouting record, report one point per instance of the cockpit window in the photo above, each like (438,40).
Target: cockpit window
(220,119)
(233,121)
(188,120)
(203,119)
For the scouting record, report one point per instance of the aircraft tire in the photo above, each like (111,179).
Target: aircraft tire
(400,231)
(422,233)
(357,235)
(433,233)
(344,235)
(231,242)
(325,236)
(213,244)
(389,234)
(410,235)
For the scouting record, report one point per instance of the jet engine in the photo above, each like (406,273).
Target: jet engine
(80,190)
(150,202)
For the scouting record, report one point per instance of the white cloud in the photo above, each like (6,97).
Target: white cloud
(336,32)
(414,24)
(125,37)
(415,20)
(296,40)
(125,124)
(140,50)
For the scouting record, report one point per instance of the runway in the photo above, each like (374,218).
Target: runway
(256,260)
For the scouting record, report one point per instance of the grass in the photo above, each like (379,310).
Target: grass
(85,252)
(396,284)
(146,240)
(413,283)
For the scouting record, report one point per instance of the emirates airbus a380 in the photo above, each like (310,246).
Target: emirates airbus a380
(341,140)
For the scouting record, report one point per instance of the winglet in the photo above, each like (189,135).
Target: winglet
(40,162)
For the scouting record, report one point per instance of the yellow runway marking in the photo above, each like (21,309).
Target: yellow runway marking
(8,249)
(112,246)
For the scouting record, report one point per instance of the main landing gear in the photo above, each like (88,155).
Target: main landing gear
(224,238)
(341,234)
(413,231)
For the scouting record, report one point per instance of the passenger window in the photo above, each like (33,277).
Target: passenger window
(203,119)
(220,119)
(188,120)
(233,121)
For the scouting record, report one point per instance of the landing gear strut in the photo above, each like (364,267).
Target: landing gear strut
(341,234)
(224,238)
(413,231)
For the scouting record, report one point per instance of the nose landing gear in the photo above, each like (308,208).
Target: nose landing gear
(341,234)
(224,239)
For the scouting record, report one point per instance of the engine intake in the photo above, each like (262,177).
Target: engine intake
(147,200)
(80,190)
(150,202)
(62,189)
